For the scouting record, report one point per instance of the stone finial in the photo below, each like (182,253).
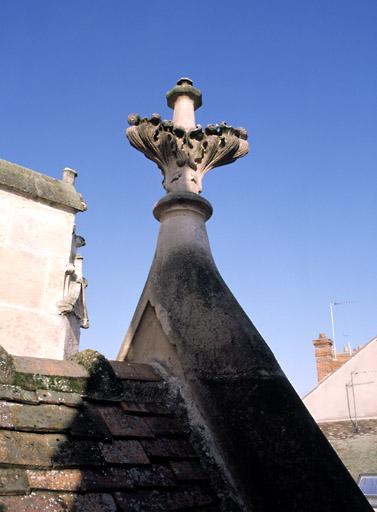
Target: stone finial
(184,99)
(183,150)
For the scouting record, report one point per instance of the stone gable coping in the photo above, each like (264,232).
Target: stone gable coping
(39,186)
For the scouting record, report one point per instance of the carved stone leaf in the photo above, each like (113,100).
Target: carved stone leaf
(210,148)
(142,138)
(165,146)
(242,150)
(185,156)
(195,152)
(221,150)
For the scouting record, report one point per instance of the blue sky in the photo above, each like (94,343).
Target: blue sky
(294,221)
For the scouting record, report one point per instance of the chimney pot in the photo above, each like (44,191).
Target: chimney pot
(69,175)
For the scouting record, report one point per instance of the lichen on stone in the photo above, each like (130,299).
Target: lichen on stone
(6,367)
(102,379)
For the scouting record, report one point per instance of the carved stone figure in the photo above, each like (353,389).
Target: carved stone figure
(74,301)
(185,152)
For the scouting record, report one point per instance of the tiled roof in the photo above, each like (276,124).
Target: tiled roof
(74,439)
(348,429)
(355,443)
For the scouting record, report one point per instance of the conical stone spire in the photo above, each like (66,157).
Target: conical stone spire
(267,446)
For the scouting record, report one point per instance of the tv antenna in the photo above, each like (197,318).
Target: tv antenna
(332,305)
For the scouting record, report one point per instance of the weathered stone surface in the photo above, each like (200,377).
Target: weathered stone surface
(146,372)
(52,502)
(13,481)
(42,418)
(101,374)
(28,292)
(161,501)
(144,392)
(45,396)
(168,448)
(184,87)
(52,418)
(163,426)
(32,381)
(37,373)
(89,423)
(55,480)
(79,480)
(49,367)
(113,478)
(39,229)
(207,508)
(24,449)
(121,424)
(32,503)
(124,452)
(151,501)
(188,470)
(89,503)
(145,409)
(45,450)
(33,329)
(151,476)
(124,370)
(17,394)
(6,367)
(77,454)
(135,371)
(106,479)
(6,417)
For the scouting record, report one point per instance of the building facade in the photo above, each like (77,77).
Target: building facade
(344,405)
(42,288)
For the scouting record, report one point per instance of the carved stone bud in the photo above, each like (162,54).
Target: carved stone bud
(133,119)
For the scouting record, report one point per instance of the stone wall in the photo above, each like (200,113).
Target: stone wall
(36,247)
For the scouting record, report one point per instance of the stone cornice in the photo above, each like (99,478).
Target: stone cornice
(38,186)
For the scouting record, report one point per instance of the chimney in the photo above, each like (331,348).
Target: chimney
(323,355)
